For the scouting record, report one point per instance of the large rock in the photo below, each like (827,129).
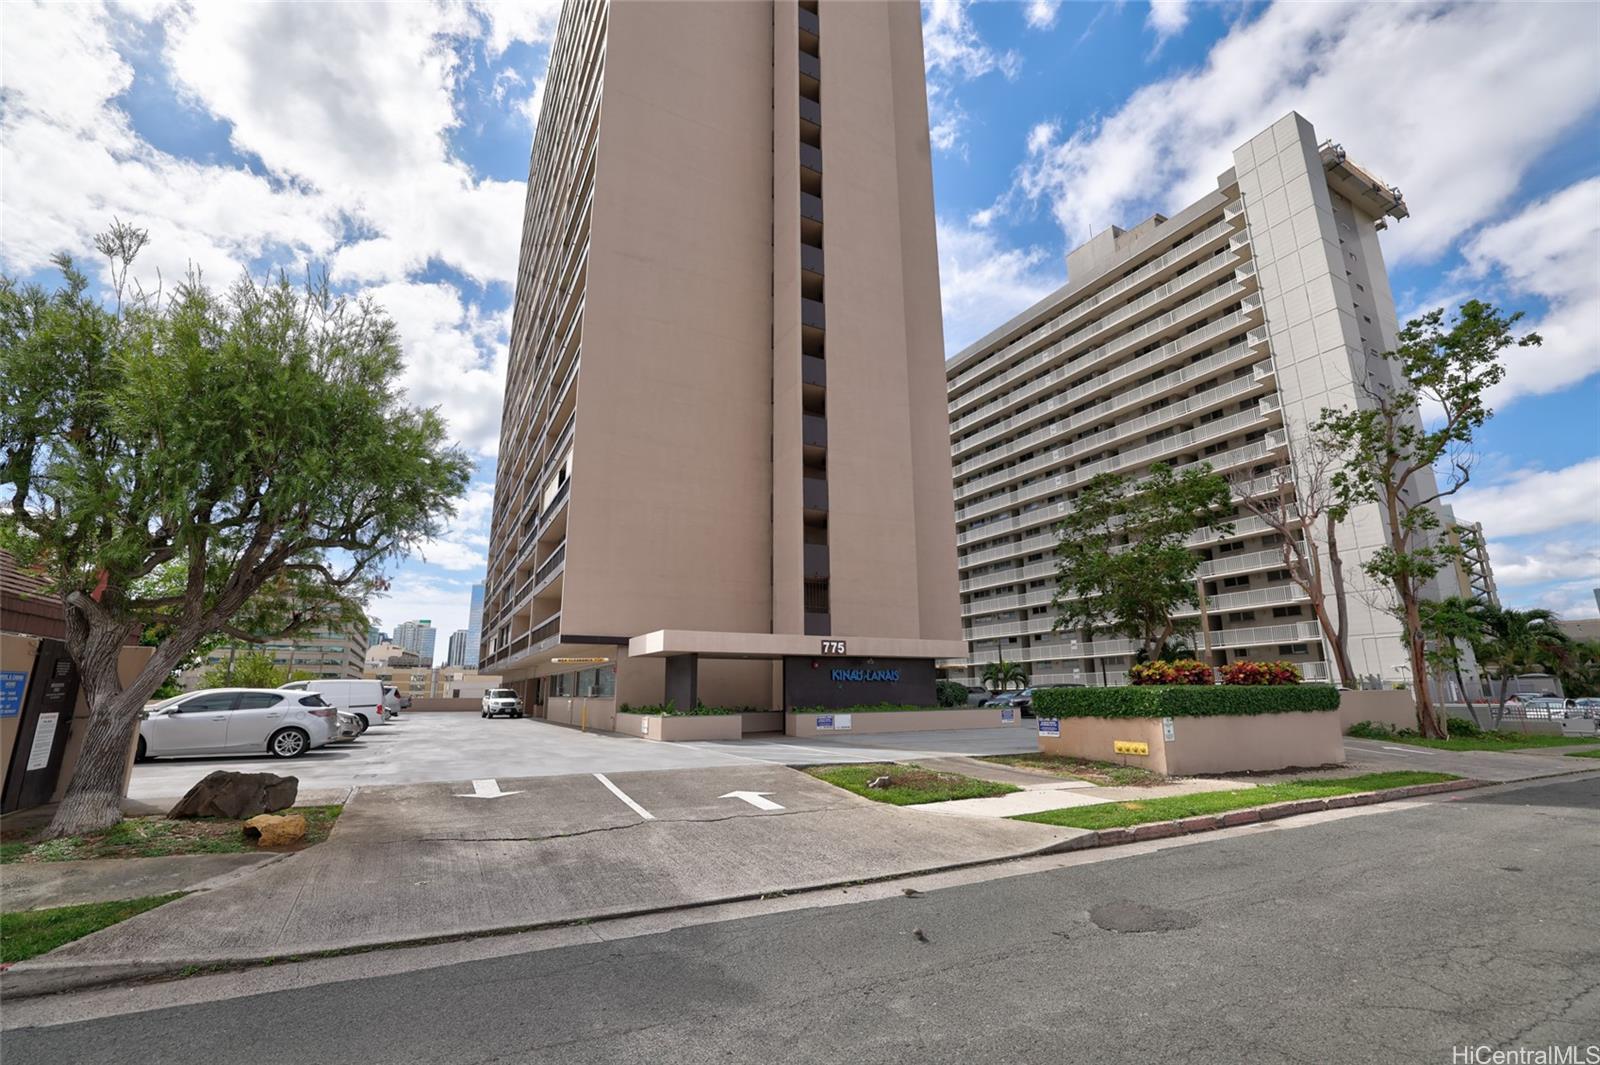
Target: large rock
(270,830)
(237,795)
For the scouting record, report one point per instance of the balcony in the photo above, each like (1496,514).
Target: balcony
(810,207)
(811,314)
(816,562)
(814,430)
(811,159)
(808,22)
(818,624)
(551,565)
(814,495)
(810,111)
(814,372)
(811,259)
(810,69)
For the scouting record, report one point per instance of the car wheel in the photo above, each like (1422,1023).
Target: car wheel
(288,743)
(141,755)
(483,713)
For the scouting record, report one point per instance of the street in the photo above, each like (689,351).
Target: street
(1392,936)
(421,747)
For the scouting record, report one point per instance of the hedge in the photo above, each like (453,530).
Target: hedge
(876,708)
(1184,701)
(671,710)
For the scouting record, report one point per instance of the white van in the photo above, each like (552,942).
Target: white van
(363,698)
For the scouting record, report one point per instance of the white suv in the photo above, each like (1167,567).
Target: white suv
(501,701)
(284,724)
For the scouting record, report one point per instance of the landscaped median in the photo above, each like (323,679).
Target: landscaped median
(158,837)
(888,717)
(1129,822)
(1181,730)
(907,785)
(1466,737)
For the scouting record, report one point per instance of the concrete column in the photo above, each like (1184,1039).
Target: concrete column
(683,674)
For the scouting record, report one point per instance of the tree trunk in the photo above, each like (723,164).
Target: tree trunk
(1461,682)
(1341,638)
(1505,682)
(1427,721)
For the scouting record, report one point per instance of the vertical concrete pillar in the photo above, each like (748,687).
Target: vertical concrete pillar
(683,674)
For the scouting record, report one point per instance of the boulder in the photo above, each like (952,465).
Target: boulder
(270,830)
(237,795)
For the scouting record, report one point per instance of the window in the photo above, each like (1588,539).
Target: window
(313,699)
(1291,648)
(220,703)
(258,701)
(1285,611)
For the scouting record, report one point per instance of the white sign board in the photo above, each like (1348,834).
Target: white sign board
(644,725)
(44,737)
(841,721)
(1167,731)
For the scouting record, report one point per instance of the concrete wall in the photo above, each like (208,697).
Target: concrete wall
(1397,709)
(679,729)
(1222,744)
(596,714)
(896,721)
(422,705)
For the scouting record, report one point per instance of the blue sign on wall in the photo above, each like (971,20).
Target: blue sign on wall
(1049,726)
(13,684)
(1007,715)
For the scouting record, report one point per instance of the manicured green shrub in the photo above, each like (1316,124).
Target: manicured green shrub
(1370,730)
(1460,726)
(670,709)
(1247,673)
(1183,701)
(1182,671)
(877,708)
(951,693)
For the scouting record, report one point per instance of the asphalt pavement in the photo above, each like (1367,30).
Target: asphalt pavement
(1395,936)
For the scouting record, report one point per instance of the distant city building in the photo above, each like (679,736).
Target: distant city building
(327,654)
(456,649)
(386,655)
(419,682)
(417,637)
(474,627)
(376,636)
(1214,336)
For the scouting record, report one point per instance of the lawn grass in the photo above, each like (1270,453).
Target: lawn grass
(1106,774)
(1122,814)
(156,837)
(1583,754)
(29,933)
(1493,741)
(908,784)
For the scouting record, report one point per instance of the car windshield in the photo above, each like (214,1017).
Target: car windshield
(502,693)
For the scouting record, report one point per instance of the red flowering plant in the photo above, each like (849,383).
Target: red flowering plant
(1183,671)
(1260,673)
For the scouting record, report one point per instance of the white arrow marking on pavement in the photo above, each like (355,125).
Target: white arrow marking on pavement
(487,789)
(753,798)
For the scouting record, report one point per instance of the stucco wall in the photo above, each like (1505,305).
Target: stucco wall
(1221,744)
(896,721)
(678,729)
(1397,709)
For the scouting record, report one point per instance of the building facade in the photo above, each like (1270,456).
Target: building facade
(1216,336)
(456,649)
(326,654)
(474,627)
(418,637)
(723,458)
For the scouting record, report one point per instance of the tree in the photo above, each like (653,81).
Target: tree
(1297,504)
(1123,564)
(1520,641)
(1002,674)
(1450,623)
(1580,669)
(1406,467)
(239,464)
(253,669)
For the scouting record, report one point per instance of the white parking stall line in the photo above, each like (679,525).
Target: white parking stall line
(619,793)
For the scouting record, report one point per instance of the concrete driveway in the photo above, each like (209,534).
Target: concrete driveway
(419,748)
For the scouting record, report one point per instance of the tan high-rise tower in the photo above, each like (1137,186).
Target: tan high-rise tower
(724,453)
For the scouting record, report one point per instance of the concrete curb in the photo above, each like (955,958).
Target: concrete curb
(1112,837)
(40,976)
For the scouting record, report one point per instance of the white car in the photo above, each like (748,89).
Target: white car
(285,724)
(501,701)
(363,698)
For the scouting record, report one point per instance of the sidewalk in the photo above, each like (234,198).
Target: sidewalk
(35,885)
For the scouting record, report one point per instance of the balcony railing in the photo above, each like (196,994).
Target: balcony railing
(816,562)
(549,566)
(811,313)
(814,429)
(814,494)
(810,66)
(811,159)
(811,259)
(811,206)
(810,111)
(814,371)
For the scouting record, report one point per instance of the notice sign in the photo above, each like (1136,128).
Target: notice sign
(1007,715)
(1130,747)
(44,737)
(841,721)
(833,722)
(1049,726)
(824,722)
(13,683)
(644,725)
(1168,733)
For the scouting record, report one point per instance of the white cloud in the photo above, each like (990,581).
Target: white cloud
(1543,561)
(1549,249)
(1041,14)
(510,21)
(953,51)
(1390,81)
(1534,501)
(983,283)
(1167,17)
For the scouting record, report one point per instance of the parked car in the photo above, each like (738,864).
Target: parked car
(393,700)
(364,698)
(501,701)
(1542,709)
(347,727)
(977,696)
(285,724)
(1589,708)
(1003,699)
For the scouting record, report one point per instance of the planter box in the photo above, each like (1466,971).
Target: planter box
(892,721)
(1224,743)
(678,729)
(1396,709)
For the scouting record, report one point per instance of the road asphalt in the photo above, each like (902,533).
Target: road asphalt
(1394,936)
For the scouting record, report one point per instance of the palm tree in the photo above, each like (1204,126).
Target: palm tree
(1521,641)
(1449,623)
(1003,674)
(1580,672)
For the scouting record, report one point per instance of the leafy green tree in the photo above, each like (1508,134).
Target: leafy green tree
(1122,561)
(253,669)
(1580,670)
(1001,675)
(1521,641)
(1406,466)
(1453,625)
(240,464)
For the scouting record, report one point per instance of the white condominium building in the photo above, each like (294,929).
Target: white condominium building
(1216,335)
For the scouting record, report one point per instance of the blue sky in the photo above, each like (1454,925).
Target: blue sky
(390,143)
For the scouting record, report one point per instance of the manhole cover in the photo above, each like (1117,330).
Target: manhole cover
(1137,917)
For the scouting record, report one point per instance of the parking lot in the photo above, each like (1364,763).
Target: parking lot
(426,747)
